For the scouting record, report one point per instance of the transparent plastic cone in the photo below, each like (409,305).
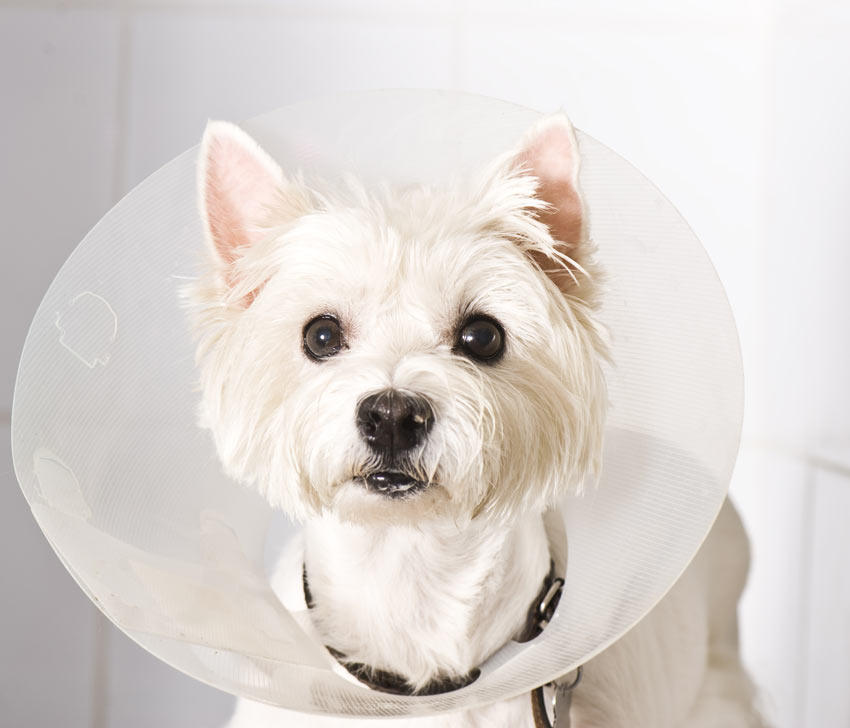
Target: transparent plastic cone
(128,489)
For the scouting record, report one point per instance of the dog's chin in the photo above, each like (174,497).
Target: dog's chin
(389,497)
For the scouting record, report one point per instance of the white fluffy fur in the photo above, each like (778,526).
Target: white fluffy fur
(433,584)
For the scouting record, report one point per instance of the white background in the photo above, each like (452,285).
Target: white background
(739,111)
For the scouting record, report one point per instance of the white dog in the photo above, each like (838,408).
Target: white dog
(415,374)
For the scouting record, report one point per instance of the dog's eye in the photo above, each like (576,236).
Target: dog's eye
(481,338)
(323,337)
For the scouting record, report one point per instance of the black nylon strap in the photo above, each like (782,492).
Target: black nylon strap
(538,708)
(542,608)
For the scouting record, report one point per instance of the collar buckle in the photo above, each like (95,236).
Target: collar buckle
(549,602)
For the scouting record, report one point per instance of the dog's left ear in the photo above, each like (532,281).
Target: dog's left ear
(549,153)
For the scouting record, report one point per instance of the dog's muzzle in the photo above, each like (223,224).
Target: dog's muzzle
(393,424)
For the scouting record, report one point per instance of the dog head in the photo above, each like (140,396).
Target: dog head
(401,353)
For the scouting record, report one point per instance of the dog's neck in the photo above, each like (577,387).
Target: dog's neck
(426,601)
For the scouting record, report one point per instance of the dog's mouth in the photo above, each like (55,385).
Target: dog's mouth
(392,483)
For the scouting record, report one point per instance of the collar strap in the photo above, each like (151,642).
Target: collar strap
(391,682)
(539,615)
(543,606)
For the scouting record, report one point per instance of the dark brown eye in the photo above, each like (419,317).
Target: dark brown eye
(481,338)
(323,337)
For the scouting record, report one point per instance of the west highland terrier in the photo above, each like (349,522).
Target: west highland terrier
(416,375)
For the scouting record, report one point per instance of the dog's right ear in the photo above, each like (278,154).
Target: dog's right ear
(239,186)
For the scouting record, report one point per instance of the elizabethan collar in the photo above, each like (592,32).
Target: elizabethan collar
(128,490)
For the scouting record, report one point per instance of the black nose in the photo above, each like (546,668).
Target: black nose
(392,422)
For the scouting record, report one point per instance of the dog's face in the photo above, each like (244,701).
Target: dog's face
(403,354)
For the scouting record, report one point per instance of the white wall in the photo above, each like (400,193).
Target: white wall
(739,111)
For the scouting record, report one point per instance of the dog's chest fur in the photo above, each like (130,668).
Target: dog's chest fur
(423,601)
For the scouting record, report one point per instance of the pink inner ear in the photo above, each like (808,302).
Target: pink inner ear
(238,188)
(550,155)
